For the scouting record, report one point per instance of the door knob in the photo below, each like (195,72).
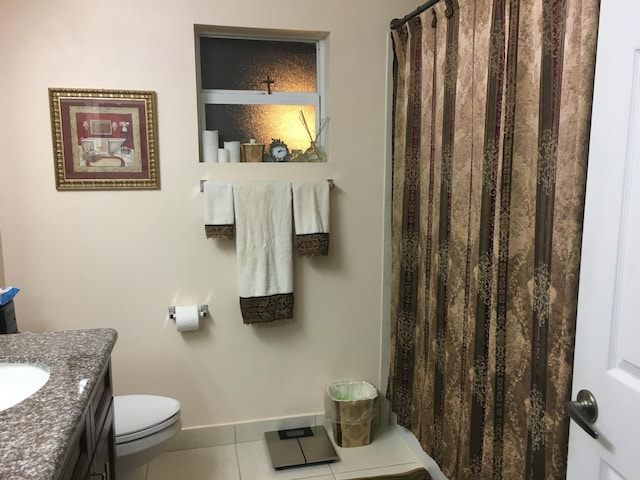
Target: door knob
(584,411)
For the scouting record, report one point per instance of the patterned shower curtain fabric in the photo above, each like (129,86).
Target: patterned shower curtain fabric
(490,136)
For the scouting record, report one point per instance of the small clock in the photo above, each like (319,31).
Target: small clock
(278,150)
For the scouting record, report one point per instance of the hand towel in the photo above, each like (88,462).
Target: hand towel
(264,250)
(218,210)
(311,217)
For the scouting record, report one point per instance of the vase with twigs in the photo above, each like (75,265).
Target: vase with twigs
(314,153)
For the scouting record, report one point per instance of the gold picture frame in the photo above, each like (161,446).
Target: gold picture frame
(104,139)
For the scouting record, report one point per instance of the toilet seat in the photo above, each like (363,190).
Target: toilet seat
(138,416)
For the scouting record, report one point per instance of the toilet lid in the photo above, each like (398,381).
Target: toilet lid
(137,415)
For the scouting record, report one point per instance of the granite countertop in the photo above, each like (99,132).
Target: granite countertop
(35,434)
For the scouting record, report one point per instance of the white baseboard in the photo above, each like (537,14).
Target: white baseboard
(423,458)
(216,435)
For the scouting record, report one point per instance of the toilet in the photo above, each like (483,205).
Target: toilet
(144,424)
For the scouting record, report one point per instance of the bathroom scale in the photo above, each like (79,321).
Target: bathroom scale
(298,447)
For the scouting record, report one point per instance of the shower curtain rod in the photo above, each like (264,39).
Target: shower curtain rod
(398,22)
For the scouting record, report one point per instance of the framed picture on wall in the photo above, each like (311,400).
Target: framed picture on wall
(104,139)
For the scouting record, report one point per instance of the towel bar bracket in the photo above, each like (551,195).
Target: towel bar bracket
(329,180)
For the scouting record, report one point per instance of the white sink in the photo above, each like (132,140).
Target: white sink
(18,381)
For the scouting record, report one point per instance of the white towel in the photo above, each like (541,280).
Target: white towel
(218,210)
(311,217)
(264,250)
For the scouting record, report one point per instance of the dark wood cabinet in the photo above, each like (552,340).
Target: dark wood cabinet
(92,452)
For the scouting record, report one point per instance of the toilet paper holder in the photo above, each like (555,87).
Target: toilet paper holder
(204,311)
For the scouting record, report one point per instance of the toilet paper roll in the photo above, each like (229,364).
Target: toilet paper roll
(234,151)
(210,144)
(223,155)
(187,318)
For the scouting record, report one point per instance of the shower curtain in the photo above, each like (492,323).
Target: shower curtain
(491,111)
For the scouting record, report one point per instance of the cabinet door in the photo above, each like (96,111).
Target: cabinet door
(104,454)
(92,452)
(78,459)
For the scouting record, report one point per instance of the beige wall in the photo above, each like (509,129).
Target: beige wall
(2,283)
(119,259)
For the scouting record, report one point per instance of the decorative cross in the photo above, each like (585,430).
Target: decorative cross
(269,82)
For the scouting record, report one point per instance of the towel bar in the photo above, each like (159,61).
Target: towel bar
(330,180)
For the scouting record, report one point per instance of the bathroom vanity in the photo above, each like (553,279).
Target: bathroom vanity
(64,430)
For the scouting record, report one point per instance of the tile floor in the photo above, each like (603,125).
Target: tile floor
(388,453)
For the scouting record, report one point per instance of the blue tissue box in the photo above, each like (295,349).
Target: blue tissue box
(7,295)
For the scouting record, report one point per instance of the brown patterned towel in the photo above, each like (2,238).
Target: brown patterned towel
(218,210)
(311,217)
(418,474)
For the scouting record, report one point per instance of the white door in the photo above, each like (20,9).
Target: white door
(607,357)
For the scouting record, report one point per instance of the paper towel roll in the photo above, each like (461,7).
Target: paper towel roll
(223,155)
(234,151)
(187,318)
(210,144)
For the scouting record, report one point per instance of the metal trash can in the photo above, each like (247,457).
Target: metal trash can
(350,406)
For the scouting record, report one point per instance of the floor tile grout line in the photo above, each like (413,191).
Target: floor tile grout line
(235,449)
